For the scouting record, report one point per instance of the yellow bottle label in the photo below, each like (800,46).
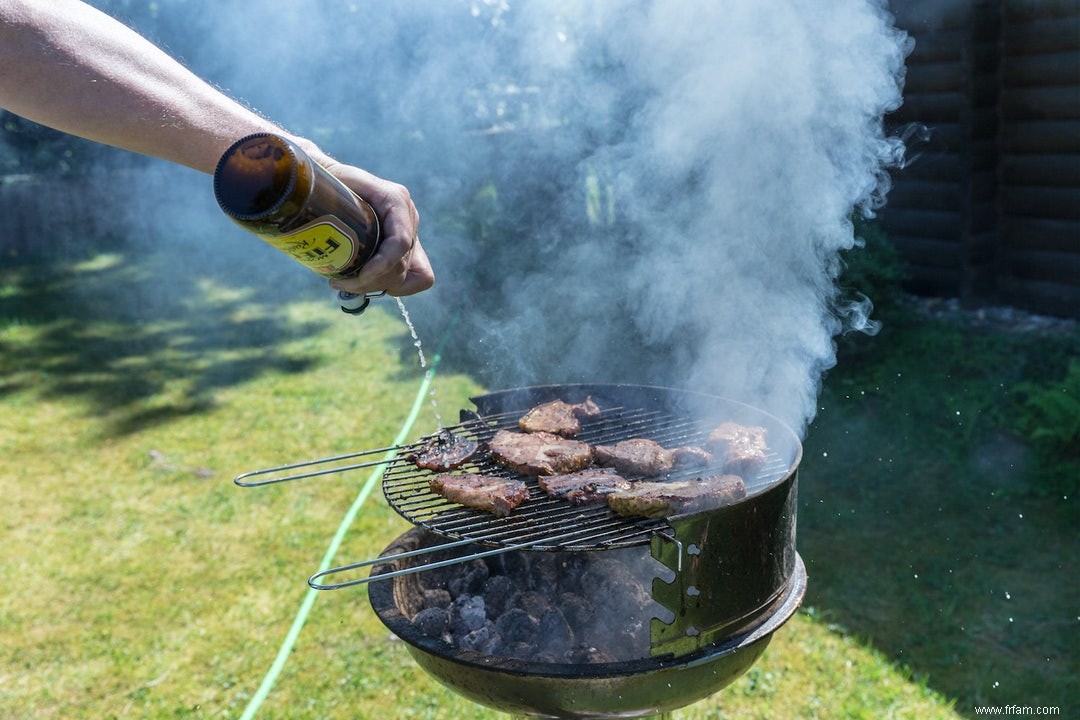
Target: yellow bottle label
(326,245)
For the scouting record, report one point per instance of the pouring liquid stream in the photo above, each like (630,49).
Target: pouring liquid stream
(423,360)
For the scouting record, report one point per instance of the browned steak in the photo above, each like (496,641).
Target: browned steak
(443,451)
(558,417)
(495,495)
(691,456)
(742,448)
(583,486)
(539,453)
(663,499)
(635,457)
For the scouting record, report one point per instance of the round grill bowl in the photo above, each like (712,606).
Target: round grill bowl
(630,689)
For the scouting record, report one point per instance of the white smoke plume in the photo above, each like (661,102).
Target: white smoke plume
(774,109)
(752,131)
(685,172)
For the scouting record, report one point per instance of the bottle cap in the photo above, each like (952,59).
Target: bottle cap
(352,304)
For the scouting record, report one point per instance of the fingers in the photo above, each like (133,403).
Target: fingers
(400,266)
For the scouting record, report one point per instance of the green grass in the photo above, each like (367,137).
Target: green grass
(926,521)
(138,581)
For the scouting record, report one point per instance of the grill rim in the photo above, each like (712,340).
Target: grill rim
(504,407)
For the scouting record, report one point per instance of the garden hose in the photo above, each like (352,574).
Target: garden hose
(304,611)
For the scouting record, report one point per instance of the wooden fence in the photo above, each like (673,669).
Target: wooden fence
(989,208)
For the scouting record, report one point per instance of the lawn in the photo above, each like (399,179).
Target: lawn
(138,581)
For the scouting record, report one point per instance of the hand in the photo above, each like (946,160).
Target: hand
(400,266)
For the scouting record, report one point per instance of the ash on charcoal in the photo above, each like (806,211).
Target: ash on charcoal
(485,639)
(553,633)
(601,577)
(469,580)
(576,609)
(499,592)
(533,602)
(432,621)
(467,614)
(545,607)
(515,625)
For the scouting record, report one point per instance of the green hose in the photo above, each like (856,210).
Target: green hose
(346,522)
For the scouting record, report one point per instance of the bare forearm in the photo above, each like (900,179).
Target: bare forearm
(66,65)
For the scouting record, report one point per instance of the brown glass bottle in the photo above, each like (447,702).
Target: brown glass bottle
(272,188)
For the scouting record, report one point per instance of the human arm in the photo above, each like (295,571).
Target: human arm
(71,67)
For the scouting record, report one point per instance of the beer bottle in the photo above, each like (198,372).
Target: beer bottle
(272,188)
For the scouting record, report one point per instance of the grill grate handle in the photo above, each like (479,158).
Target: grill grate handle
(314,580)
(387,455)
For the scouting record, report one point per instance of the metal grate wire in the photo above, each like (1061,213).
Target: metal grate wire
(543,523)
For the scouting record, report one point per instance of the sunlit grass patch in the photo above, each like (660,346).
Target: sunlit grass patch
(99,262)
(138,581)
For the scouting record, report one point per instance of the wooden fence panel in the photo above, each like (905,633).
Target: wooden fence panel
(1039,261)
(989,210)
(942,212)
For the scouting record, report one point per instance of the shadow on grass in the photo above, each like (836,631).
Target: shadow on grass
(918,526)
(922,530)
(140,345)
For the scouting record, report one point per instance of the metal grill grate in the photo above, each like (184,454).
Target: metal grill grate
(543,523)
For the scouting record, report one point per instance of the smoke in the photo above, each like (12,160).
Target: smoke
(764,119)
(611,190)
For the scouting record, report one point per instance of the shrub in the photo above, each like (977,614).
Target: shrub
(875,269)
(1050,420)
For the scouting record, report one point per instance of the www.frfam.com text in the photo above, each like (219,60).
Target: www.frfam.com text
(1018,710)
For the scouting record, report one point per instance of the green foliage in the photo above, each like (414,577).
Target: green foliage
(1050,419)
(875,269)
(951,386)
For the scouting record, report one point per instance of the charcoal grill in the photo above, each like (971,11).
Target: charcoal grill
(649,686)
(729,578)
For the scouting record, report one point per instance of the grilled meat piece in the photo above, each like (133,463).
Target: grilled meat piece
(691,456)
(635,457)
(584,486)
(558,417)
(648,458)
(539,453)
(742,448)
(664,499)
(495,495)
(443,451)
